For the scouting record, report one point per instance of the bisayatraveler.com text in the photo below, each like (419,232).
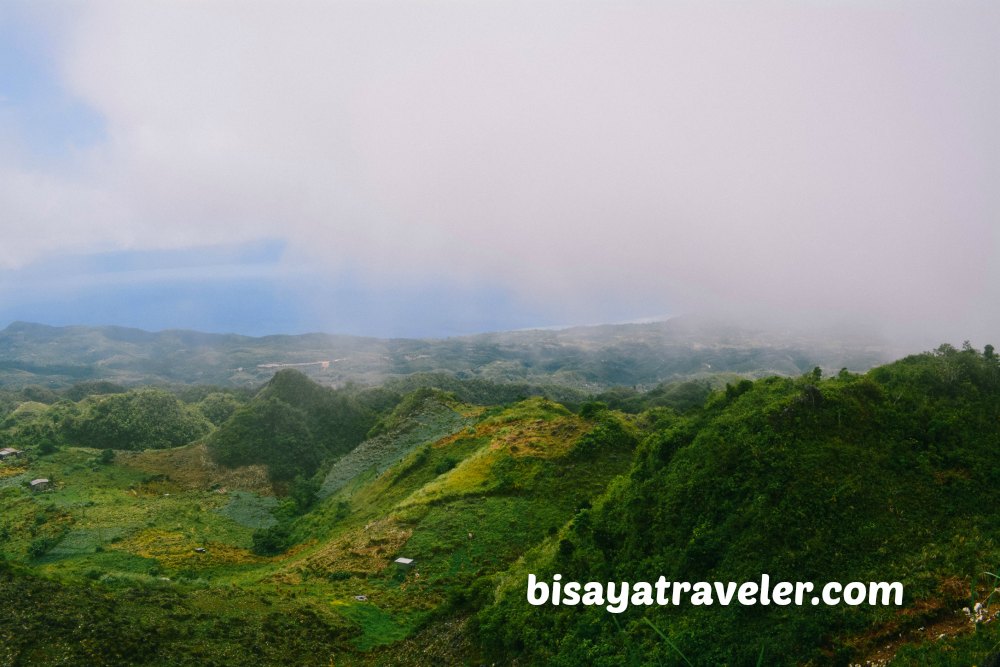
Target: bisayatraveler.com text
(616,597)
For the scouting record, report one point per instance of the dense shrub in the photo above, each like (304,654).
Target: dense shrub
(141,419)
(890,476)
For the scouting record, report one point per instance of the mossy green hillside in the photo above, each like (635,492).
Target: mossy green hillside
(891,476)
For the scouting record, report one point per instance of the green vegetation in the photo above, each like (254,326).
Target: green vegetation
(141,419)
(251,510)
(262,527)
(218,407)
(681,396)
(134,420)
(270,432)
(423,416)
(109,529)
(891,476)
(294,424)
(154,622)
(338,419)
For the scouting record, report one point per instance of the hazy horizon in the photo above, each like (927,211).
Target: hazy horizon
(432,169)
(4,324)
(693,328)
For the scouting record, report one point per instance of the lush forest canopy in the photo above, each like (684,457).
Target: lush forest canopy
(892,475)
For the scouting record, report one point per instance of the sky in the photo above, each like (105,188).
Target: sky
(434,168)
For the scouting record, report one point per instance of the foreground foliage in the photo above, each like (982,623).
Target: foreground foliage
(891,476)
(271,538)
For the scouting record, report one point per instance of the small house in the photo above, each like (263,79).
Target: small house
(40,484)
(404,562)
(9,453)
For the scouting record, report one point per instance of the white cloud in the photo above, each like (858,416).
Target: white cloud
(824,158)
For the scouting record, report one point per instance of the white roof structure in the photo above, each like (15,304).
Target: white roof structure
(404,561)
(36,482)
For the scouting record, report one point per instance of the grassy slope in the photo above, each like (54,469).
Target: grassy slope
(431,418)
(889,476)
(117,542)
(513,485)
(49,622)
(116,579)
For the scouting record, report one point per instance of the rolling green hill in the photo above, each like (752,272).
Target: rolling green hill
(464,506)
(890,476)
(156,557)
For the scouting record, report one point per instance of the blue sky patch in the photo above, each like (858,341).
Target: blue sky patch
(46,118)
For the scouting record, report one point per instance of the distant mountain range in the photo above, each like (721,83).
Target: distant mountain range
(588,358)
